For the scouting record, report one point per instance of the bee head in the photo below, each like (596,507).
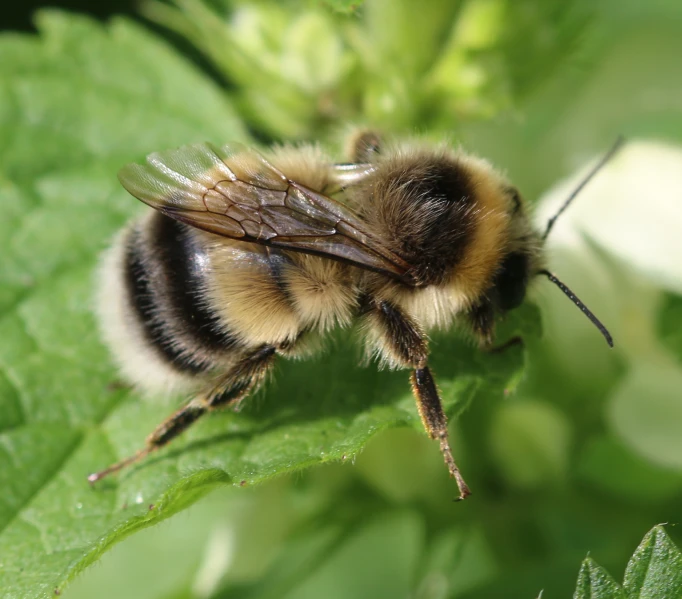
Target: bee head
(461,227)
(523,262)
(517,267)
(519,262)
(511,281)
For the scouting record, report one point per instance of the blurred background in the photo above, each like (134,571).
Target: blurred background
(586,455)
(20,17)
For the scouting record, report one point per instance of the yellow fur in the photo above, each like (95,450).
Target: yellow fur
(247,297)
(491,238)
(307,165)
(323,292)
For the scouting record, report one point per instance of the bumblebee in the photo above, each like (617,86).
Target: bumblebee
(247,257)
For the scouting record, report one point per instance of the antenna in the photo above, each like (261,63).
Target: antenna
(583,308)
(550,223)
(614,148)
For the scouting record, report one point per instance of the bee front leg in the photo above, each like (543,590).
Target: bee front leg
(402,342)
(481,318)
(227,391)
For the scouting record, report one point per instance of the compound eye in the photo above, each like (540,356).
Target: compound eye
(511,281)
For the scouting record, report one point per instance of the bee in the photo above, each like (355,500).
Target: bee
(247,257)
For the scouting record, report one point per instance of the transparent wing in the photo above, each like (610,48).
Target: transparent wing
(234,192)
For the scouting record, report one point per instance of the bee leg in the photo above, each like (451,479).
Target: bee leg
(364,145)
(362,148)
(503,347)
(405,343)
(244,378)
(228,390)
(481,319)
(435,421)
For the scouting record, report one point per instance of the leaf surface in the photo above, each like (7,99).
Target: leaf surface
(77,103)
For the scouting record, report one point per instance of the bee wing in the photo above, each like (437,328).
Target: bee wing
(234,192)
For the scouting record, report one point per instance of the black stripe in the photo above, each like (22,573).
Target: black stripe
(142,299)
(184,261)
(169,263)
(277,261)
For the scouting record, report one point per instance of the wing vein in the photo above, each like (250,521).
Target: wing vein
(258,203)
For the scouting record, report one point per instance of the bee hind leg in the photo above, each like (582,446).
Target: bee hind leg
(228,391)
(244,378)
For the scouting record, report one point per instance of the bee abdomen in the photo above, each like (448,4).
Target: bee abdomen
(165,270)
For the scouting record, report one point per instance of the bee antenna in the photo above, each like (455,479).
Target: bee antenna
(577,302)
(614,148)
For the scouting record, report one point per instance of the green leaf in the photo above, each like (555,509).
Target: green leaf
(77,103)
(595,583)
(86,93)
(655,570)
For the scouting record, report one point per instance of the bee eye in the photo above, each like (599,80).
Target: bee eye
(511,281)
